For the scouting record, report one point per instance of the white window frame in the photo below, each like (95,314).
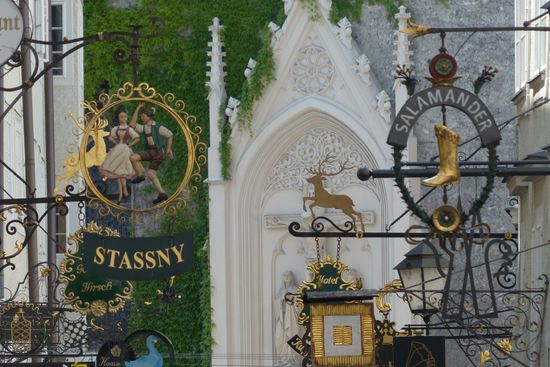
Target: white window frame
(63,28)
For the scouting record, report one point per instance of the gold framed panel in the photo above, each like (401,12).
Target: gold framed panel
(341,334)
(316,270)
(196,150)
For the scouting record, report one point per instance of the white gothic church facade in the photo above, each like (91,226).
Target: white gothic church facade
(323,100)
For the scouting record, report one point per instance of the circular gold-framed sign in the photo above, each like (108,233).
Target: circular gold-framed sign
(187,164)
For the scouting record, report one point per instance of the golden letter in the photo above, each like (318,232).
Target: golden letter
(178,252)
(125,262)
(163,256)
(99,258)
(150,260)
(113,254)
(138,260)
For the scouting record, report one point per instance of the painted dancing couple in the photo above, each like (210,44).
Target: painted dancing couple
(123,164)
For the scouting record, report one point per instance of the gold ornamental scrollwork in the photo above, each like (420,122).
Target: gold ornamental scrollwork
(385,307)
(72,267)
(11,228)
(187,137)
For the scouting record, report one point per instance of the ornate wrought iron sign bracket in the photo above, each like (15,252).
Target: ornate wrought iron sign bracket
(130,39)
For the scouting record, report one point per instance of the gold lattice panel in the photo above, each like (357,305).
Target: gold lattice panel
(21,333)
(342,334)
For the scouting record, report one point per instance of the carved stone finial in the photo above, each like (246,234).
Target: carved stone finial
(276,31)
(383,106)
(249,68)
(343,30)
(232,110)
(362,67)
(215,74)
(402,15)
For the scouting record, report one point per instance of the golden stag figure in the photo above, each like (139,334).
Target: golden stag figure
(324,199)
(93,157)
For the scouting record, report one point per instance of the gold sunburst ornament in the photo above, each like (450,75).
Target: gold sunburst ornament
(160,139)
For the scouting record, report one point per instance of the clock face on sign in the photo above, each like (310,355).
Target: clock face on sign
(11,30)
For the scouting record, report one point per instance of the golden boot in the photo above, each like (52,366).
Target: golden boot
(449,172)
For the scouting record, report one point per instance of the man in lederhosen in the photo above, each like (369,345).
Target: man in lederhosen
(158,144)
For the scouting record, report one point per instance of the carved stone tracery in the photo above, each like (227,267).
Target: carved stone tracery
(290,171)
(313,70)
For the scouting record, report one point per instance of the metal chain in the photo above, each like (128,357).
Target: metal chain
(317,248)
(81,220)
(338,246)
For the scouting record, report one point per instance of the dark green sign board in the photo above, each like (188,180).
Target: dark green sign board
(139,258)
(328,275)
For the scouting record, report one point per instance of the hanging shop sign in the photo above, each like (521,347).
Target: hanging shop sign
(140,258)
(109,355)
(24,327)
(459,98)
(145,348)
(342,334)
(90,293)
(299,346)
(327,275)
(443,94)
(11,30)
(156,141)
(419,351)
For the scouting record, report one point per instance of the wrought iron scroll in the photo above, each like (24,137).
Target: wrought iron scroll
(130,39)
(26,221)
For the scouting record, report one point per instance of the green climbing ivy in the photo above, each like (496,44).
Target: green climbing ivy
(260,78)
(176,63)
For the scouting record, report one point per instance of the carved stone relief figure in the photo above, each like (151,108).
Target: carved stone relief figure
(362,67)
(286,322)
(383,106)
(343,30)
(354,277)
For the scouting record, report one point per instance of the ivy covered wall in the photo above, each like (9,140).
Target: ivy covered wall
(176,63)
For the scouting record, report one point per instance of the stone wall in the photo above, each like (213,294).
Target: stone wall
(472,51)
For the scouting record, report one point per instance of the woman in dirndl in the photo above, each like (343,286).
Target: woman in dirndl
(117,164)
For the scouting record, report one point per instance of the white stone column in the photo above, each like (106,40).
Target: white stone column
(217,197)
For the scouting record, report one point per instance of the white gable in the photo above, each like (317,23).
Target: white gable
(323,99)
(314,60)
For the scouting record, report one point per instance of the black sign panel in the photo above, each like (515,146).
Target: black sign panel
(299,346)
(109,355)
(455,97)
(419,351)
(140,258)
